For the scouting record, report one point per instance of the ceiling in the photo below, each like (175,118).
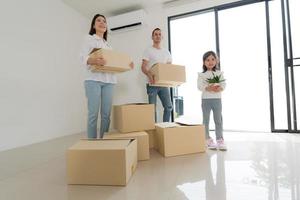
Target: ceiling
(114,7)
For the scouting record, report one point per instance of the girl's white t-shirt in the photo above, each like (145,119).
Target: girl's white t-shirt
(91,42)
(202,84)
(154,55)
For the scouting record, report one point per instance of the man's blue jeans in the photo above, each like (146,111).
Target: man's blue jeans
(165,98)
(98,93)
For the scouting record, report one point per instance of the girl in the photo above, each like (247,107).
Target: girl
(211,98)
(98,85)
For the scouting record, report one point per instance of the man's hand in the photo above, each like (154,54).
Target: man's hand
(150,77)
(131,65)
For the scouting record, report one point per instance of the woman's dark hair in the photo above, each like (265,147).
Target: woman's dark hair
(205,56)
(93,30)
(156,29)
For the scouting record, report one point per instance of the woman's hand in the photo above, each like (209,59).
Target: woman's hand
(99,61)
(131,65)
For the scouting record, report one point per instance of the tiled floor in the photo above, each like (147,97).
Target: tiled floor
(257,166)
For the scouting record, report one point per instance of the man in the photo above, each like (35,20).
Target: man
(152,55)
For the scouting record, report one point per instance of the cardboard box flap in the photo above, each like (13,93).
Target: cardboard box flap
(166,65)
(188,121)
(188,124)
(114,55)
(94,50)
(133,104)
(128,135)
(154,65)
(101,144)
(167,125)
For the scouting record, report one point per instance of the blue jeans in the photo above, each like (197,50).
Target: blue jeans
(165,98)
(216,106)
(98,92)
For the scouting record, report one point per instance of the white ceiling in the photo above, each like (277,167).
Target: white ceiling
(113,7)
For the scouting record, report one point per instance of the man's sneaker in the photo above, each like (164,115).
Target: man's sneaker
(221,145)
(210,144)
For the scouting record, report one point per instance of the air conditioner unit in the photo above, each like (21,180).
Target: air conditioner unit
(127,21)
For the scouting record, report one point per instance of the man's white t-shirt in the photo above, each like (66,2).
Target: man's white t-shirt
(154,55)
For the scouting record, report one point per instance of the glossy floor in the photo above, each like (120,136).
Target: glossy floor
(257,166)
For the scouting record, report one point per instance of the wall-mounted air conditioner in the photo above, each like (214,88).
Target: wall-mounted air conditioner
(127,21)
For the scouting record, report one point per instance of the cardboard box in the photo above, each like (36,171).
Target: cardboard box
(174,139)
(142,142)
(101,162)
(115,61)
(134,117)
(152,139)
(168,75)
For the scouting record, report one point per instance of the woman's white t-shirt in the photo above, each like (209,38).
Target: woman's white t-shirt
(91,42)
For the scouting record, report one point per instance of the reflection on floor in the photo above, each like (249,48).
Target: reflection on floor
(256,166)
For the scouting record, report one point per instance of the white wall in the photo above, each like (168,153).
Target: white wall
(41,82)
(41,91)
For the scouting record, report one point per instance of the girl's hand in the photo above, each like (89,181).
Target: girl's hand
(217,88)
(214,88)
(209,88)
(131,65)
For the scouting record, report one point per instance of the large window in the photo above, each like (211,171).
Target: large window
(262,88)
(191,37)
(243,55)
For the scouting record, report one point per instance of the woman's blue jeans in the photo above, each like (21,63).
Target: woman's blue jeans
(99,96)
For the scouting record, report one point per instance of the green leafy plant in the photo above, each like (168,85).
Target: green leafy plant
(215,79)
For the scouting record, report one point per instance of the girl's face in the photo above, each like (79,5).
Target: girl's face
(100,25)
(210,62)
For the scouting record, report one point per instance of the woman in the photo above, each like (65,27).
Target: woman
(98,85)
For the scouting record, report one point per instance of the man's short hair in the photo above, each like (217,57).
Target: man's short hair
(156,29)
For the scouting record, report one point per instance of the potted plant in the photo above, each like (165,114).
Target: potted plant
(215,80)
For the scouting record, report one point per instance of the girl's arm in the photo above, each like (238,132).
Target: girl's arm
(223,83)
(201,83)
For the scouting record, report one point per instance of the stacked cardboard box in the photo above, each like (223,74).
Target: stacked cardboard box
(175,139)
(134,117)
(142,142)
(152,139)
